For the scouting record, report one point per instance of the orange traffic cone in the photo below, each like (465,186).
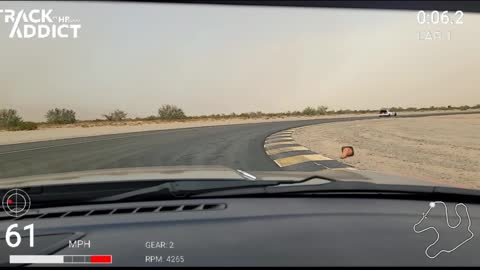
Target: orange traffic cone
(347,151)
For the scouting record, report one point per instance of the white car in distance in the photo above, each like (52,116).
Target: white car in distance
(386,113)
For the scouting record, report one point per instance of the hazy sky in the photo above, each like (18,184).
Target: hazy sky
(222,59)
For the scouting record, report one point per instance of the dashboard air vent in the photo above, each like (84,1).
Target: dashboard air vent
(121,211)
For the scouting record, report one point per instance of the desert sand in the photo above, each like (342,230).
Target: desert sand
(439,149)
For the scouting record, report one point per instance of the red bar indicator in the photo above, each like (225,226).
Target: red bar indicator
(60,259)
(101,259)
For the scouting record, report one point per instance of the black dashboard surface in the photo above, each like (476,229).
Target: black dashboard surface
(258,232)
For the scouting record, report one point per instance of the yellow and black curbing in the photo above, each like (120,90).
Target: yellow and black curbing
(290,155)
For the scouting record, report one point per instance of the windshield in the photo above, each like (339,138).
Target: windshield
(232,91)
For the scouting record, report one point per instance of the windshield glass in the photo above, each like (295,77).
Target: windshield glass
(190,91)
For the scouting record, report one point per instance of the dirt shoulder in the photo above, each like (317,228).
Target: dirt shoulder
(439,149)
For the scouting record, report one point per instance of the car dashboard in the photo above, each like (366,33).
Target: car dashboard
(290,231)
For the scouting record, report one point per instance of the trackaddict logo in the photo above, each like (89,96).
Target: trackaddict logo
(40,23)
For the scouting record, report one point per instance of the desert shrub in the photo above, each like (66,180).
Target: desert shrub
(251,114)
(255,114)
(322,110)
(344,111)
(116,115)
(60,116)
(25,126)
(309,111)
(397,109)
(9,118)
(170,112)
(151,118)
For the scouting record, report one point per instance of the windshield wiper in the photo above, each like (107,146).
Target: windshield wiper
(66,195)
(181,189)
(187,188)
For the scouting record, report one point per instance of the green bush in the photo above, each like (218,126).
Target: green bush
(309,111)
(151,118)
(171,112)
(251,114)
(322,110)
(60,116)
(116,115)
(9,118)
(24,126)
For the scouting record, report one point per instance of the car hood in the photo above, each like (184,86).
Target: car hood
(197,173)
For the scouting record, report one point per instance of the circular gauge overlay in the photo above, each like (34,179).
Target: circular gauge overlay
(16,202)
